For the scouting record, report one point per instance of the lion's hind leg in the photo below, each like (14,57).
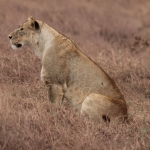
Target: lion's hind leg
(104,109)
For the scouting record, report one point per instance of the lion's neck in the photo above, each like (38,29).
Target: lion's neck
(45,40)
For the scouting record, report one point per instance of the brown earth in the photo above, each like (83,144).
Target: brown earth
(115,34)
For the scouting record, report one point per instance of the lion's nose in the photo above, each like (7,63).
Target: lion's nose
(10,36)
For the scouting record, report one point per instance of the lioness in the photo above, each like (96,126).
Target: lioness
(70,74)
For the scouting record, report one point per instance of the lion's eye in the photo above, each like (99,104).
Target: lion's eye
(21,28)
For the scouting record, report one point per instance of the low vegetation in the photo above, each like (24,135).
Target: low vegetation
(116,36)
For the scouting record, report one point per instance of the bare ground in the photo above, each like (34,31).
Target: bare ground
(115,34)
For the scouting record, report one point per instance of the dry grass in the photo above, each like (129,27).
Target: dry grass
(115,34)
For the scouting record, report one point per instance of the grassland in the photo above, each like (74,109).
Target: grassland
(115,34)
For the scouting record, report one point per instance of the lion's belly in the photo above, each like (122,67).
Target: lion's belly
(75,97)
(76,94)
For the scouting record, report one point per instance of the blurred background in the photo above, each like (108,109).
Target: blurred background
(93,24)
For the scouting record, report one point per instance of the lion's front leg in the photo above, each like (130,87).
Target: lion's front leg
(44,76)
(55,94)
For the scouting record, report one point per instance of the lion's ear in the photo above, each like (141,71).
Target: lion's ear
(34,24)
(30,18)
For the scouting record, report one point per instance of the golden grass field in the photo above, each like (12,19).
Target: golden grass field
(115,34)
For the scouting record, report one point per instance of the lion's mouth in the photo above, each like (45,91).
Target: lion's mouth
(18,45)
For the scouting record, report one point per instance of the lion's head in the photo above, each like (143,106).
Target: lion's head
(23,35)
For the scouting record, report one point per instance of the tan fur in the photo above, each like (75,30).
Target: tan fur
(70,74)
